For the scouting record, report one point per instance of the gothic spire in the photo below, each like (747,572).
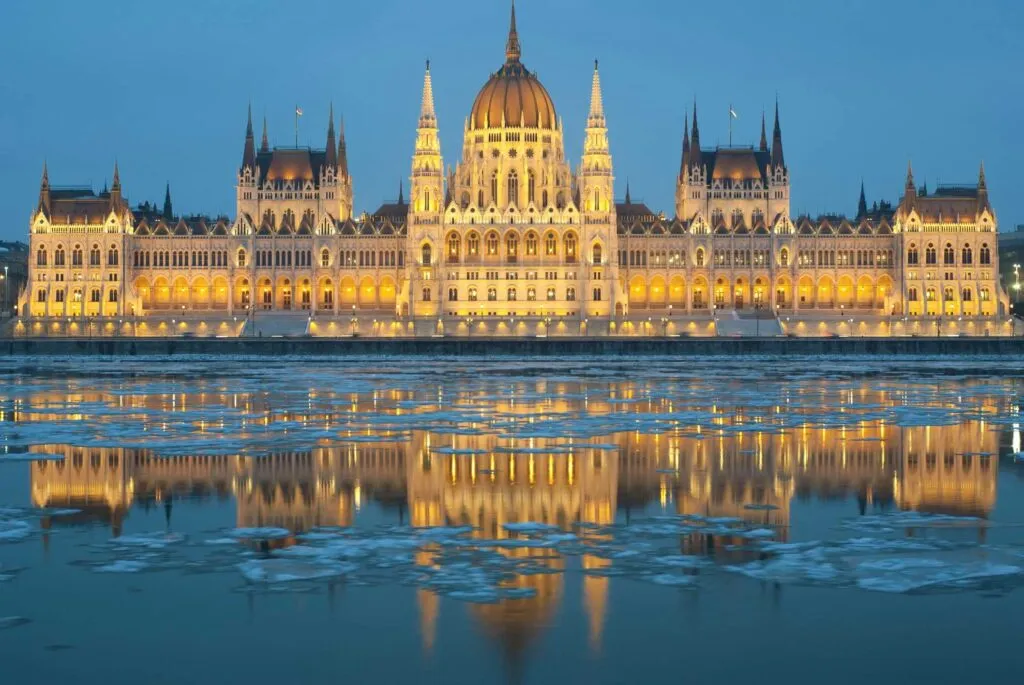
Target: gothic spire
(909,189)
(862,203)
(428,117)
(629,199)
(265,143)
(331,158)
(401,192)
(249,153)
(596,118)
(778,158)
(116,187)
(44,190)
(168,211)
(982,186)
(686,148)
(342,150)
(764,136)
(513,51)
(695,136)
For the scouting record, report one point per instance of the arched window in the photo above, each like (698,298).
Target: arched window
(570,294)
(531,244)
(512,245)
(913,257)
(948,255)
(551,294)
(494,186)
(41,256)
(784,257)
(912,295)
(453,294)
(513,188)
(986,255)
(112,257)
(948,295)
(41,295)
(492,294)
(511,294)
(112,296)
(94,295)
(241,256)
(531,294)
(929,294)
(966,255)
(597,254)
(544,199)
(492,243)
(427,255)
(531,187)
(426,294)
(474,244)
(472,293)
(325,258)
(58,256)
(966,295)
(930,254)
(94,256)
(700,256)
(551,244)
(983,294)
(453,247)
(570,247)
(480,199)
(76,256)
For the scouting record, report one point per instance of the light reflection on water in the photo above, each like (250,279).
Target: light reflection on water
(595,453)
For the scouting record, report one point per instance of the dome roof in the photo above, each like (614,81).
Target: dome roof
(513,95)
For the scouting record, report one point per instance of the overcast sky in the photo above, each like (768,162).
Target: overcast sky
(864,86)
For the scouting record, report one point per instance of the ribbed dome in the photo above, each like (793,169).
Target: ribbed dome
(513,95)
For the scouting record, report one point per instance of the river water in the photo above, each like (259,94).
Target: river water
(514,521)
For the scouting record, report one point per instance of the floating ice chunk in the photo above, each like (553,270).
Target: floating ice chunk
(289,570)
(911,575)
(758,533)
(680,561)
(14,530)
(527,527)
(123,566)
(13,621)
(475,596)
(672,579)
(221,541)
(148,540)
(260,533)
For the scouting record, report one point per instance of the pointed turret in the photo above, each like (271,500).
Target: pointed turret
(331,158)
(265,143)
(778,158)
(428,116)
(342,151)
(168,210)
(513,50)
(695,137)
(685,163)
(629,199)
(115,190)
(596,117)
(401,192)
(44,191)
(764,135)
(116,187)
(909,189)
(983,202)
(982,185)
(249,154)
(862,203)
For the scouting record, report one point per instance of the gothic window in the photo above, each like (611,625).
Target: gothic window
(513,188)
(967,295)
(913,257)
(325,257)
(570,247)
(472,294)
(492,294)
(551,244)
(929,294)
(597,254)
(531,244)
(966,256)
(531,187)
(784,257)
(41,296)
(986,255)
(948,255)
(531,294)
(597,295)
(570,294)
(453,294)
(76,256)
(427,254)
(930,255)
(94,295)
(512,245)
(492,243)
(474,244)
(94,256)
(426,294)
(912,295)
(480,199)
(947,295)
(112,296)
(453,247)
(700,256)
(41,257)
(983,293)
(241,257)
(551,294)
(494,186)
(511,294)
(59,296)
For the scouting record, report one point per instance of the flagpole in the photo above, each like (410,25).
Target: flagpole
(730,124)
(296,126)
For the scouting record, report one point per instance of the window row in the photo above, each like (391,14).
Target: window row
(59,295)
(949,254)
(77,256)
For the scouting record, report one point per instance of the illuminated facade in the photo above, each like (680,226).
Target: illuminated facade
(513,241)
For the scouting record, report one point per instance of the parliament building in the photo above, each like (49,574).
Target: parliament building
(513,240)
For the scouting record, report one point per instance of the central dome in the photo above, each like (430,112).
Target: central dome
(513,97)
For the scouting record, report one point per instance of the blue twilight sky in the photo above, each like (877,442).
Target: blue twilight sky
(864,86)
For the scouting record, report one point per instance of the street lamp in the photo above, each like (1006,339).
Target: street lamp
(6,288)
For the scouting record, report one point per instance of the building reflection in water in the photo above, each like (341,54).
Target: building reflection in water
(488,479)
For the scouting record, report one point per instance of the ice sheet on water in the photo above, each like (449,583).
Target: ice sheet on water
(292,570)
(148,540)
(919,575)
(123,566)
(258,534)
(14,530)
